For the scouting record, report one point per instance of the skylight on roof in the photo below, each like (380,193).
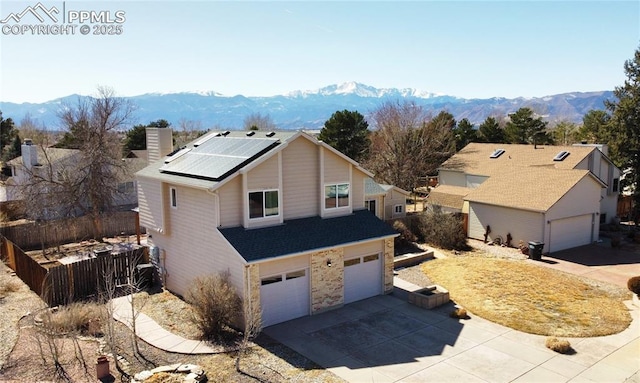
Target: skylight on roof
(497,153)
(561,156)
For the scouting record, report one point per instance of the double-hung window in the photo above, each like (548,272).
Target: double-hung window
(263,204)
(336,195)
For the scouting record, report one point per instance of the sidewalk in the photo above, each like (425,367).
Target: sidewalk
(151,332)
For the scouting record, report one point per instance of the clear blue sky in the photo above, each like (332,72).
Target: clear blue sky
(471,49)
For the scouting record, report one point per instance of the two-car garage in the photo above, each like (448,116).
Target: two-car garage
(287,295)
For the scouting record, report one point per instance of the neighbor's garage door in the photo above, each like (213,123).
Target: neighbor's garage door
(570,232)
(284,296)
(362,277)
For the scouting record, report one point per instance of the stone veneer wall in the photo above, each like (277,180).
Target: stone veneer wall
(327,283)
(252,273)
(388,265)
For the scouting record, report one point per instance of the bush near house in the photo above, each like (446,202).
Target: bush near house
(442,230)
(633,284)
(216,305)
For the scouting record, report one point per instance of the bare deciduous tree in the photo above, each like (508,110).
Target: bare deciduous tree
(407,145)
(94,123)
(257,121)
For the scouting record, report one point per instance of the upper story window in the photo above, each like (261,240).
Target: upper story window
(174,197)
(616,185)
(336,196)
(263,204)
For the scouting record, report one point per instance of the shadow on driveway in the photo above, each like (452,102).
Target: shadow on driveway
(597,255)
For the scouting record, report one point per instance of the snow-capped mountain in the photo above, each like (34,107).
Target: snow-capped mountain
(361,90)
(311,108)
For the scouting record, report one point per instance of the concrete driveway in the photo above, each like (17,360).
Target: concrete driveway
(385,339)
(600,262)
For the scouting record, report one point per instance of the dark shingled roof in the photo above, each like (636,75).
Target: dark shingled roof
(306,234)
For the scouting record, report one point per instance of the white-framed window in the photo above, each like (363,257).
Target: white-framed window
(398,209)
(174,197)
(263,203)
(371,205)
(336,195)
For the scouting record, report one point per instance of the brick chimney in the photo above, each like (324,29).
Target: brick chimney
(159,143)
(29,153)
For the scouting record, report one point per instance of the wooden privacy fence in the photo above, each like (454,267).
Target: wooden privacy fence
(76,281)
(35,235)
(28,269)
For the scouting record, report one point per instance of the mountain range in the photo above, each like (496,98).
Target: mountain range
(310,109)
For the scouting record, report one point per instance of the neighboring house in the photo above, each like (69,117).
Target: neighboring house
(54,164)
(558,195)
(283,213)
(385,201)
(44,163)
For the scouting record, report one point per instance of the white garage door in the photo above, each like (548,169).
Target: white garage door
(362,277)
(570,232)
(284,296)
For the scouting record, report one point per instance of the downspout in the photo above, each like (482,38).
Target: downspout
(248,302)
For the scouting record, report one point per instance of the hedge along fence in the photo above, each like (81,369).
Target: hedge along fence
(37,235)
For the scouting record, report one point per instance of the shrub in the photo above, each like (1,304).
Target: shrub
(459,313)
(443,230)
(406,235)
(9,285)
(633,284)
(558,345)
(79,318)
(216,305)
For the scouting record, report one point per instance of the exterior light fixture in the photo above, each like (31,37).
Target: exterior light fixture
(329,263)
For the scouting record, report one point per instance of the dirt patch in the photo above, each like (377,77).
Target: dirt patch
(31,359)
(16,301)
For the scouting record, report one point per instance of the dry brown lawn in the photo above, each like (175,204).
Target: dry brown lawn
(531,298)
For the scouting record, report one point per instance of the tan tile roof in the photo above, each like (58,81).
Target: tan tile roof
(528,188)
(475,158)
(448,196)
(52,155)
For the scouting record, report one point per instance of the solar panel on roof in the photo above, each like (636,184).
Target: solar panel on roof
(218,156)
